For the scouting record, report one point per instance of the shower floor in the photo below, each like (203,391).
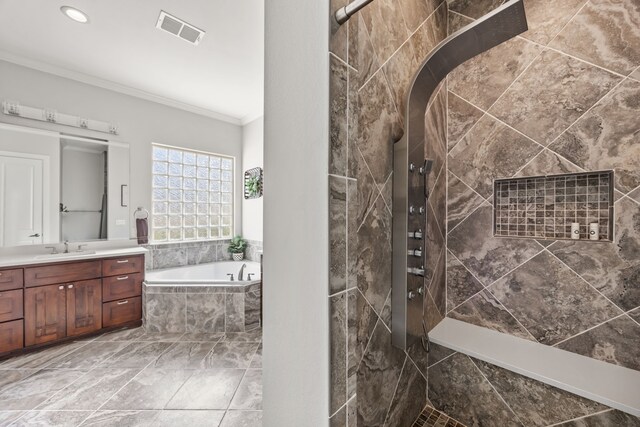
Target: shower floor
(431,417)
(134,378)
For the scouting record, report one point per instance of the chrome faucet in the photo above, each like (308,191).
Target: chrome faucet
(66,246)
(241,272)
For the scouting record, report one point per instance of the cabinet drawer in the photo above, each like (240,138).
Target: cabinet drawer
(11,336)
(62,273)
(121,287)
(125,265)
(11,279)
(122,311)
(11,305)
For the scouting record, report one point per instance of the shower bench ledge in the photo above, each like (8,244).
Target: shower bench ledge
(611,385)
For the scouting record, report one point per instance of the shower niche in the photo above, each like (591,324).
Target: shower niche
(577,206)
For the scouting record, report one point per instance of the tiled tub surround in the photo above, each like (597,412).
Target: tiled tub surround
(546,206)
(201,308)
(137,378)
(171,255)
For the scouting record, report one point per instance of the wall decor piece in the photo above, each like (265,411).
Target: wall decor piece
(546,207)
(253,183)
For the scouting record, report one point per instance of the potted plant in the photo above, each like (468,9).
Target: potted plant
(237,247)
(253,186)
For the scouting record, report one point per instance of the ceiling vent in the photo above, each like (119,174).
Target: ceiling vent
(179,28)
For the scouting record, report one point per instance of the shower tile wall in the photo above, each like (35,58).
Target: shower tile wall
(373,58)
(546,102)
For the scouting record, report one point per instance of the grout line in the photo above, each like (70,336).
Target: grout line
(631,317)
(366,347)
(341,60)
(404,364)
(587,330)
(565,422)
(341,177)
(494,389)
(344,405)
(446,194)
(416,365)
(568,22)
(513,316)
(443,359)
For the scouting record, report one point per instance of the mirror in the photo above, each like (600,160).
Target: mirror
(56,188)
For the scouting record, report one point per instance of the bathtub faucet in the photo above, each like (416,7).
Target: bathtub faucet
(241,272)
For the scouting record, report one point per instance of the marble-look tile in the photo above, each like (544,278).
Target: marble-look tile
(456,21)
(416,12)
(399,70)
(230,355)
(352,233)
(88,356)
(254,335)
(338,36)
(160,337)
(548,163)
(438,353)
(165,313)
(385,315)
(42,358)
(379,126)
(352,412)
(635,195)
(10,377)
(7,417)
(207,389)
(242,419)
(474,8)
(434,241)
(419,356)
(339,419)
(552,313)
(536,403)
(438,200)
(407,402)
(482,79)
(432,315)
(489,151)
(488,257)
(462,116)
(611,418)
(35,389)
(256,362)
(191,418)
(249,393)
(386,27)
(223,252)
(361,54)
(636,74)
(483,309)
(201,337)
(169,258)
(377,377)
(206,312)
(366,190)
(635,314)
(607,137)
(137,355)
(438,285)
(202,254)
(374,258)
(337,234)
(252,311)
(338,351)
(338,117)
(361,322)
(234,313)
(552,94)
(128,334)
(461,201)
(546,18)
(435,147)
(458,388)
(53,418)
(90,391)
(605,33)
(150,389)
(184,355)
(613,269)
(461,285)
(122,418)
(614,342)
(430,33)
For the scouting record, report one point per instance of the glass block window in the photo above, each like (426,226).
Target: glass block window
(192,195)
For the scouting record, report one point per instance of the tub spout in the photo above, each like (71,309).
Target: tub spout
(241,272)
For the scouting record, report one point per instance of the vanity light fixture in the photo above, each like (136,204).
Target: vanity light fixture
(75,14)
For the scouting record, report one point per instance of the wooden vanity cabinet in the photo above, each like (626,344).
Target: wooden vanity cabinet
(43,304)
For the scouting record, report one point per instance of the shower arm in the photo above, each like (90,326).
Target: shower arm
(344,13)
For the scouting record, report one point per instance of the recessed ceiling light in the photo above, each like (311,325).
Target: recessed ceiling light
(75,14)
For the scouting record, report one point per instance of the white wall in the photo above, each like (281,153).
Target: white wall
(140,123)
(296,147)
(252,156)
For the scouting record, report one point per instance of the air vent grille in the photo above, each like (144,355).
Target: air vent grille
(179,28)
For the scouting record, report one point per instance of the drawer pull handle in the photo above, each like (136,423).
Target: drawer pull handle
(123,302)
(70,287)
(122,278)
(122,261)
(60,287)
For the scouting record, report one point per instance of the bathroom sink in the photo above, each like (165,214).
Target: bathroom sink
(67,255)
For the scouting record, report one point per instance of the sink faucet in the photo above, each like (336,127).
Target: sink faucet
(66,246)
(241,272)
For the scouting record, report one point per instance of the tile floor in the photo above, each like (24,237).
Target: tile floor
(134,378)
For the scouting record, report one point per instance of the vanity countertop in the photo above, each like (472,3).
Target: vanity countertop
(32,259)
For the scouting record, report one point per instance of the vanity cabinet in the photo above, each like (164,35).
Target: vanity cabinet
(47,303)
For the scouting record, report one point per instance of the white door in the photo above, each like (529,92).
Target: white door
(21,201)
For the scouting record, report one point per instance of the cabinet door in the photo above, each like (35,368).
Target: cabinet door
(84,307)
(44,314)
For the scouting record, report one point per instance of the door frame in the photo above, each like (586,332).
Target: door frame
(46,196)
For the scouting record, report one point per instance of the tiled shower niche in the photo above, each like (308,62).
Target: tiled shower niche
(544,207)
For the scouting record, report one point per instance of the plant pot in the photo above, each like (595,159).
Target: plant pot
(238,257)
